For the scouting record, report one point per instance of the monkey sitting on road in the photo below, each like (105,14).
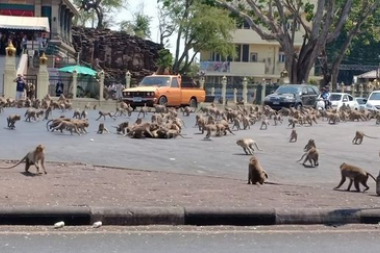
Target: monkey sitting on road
(356,175)
(102,129)
(11,121)
(312,156)
(256,173)
(293,136)
(358,139)
(35,157)
(122,128)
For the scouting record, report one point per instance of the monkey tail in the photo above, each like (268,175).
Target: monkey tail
(258,147)
(184,136)
(369,174)
(370,136)
(302,156)
(47,124)
(13,166)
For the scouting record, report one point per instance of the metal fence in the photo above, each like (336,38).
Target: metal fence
(87,86)
(253,91)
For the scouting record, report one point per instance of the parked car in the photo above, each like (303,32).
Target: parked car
(373,102)
(164,90)
(292,95)
(337,99)
(362,103)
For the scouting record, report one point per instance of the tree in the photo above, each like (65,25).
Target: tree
(199,28)
(97,8)
(139,27)
(165,60)
(278,20)
(364,19)
(166,26)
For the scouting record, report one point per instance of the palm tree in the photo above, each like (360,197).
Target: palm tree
(139,27)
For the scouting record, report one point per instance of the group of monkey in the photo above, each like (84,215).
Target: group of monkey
(165,123)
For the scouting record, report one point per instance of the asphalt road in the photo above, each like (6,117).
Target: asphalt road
(195,240)
(219,157)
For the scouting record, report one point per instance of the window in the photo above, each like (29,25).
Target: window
(350,98)
(216,57)
(174,82)
(238,53)
(281,57)
(245,53)
(310,90)
(345,98)
(254,57)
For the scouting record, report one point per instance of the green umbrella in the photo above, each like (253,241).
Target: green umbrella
(79,69)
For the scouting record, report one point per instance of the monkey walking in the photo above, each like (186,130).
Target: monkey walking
(256,173)
(104,114)
(356,175)
(247,145)
(11,121)
(359,136)
(312,156)
(35,157)
(310,144)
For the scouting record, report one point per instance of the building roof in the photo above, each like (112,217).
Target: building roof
(24,23)
(368,75)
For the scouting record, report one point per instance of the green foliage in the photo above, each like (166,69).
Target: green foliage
(201,28)
(165,59)
(139,27)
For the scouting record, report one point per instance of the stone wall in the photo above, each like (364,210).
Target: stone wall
(115,52)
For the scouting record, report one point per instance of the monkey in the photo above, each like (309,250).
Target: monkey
(94,108)
(277,118)
(70,126)
(358,139)
(76,114)
(333,118)
(48,113)
(83,114)
(172,134)
(104,114)
(256,173)
(87,106)
(247,145)
(143,111)
(186,111)
(81,125)
(293,136)
(293,122)
(35,157)
(310,144)
(264,122)
(12,119)
(55,122)
(141,130)
(120,111)
(312,156)
(102,129)
(356,175)
(30,113)
(122,127)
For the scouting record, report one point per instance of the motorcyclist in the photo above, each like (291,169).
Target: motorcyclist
(325,96)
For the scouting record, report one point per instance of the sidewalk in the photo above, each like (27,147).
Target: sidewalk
(86,185)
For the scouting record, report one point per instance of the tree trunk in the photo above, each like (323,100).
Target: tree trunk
(99,13)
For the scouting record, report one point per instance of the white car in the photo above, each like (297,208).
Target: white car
(362,103)
(337,99)
(373,102)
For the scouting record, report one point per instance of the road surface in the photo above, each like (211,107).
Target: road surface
(194,239)
(220,156)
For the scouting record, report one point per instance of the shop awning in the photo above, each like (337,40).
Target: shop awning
(24,23)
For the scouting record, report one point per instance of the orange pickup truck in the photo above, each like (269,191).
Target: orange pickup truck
(164,90)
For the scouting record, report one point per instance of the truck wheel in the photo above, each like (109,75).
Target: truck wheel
(162,101)
(193,103)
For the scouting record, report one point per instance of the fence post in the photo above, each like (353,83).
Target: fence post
(128,79)
(235,95)
(75,84)
(224,88)
(202,83)
(342,87)
(353,89)
(43,78)
(361,89)
(213,91)
(263,91)
(10,72)
(101,85)
(245,91)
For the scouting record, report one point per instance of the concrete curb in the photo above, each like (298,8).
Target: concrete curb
(196,216)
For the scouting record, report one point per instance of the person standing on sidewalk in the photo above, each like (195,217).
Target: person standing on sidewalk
(20,87)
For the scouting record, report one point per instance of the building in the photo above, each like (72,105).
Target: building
(45,25)
(256,58)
